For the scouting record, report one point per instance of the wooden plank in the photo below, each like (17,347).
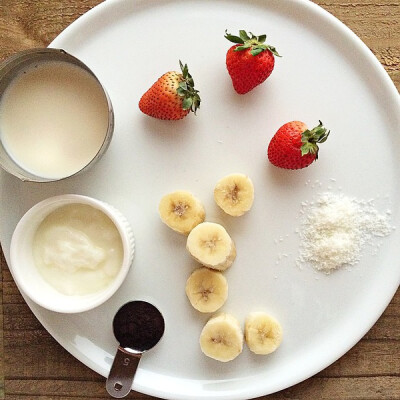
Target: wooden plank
(11,294)
(367,358)
(131,396)
(357,16)
(19,317)
(394,307)
(361,388)
(387,327)
(28,24)
(2,391)
(54,362)
(62,388)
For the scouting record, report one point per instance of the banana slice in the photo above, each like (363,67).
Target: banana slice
(210,244)
(222,338)
(263,333)
(181,211)
(234,194)
(206,289)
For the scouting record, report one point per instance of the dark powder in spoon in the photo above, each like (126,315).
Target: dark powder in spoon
(138,325)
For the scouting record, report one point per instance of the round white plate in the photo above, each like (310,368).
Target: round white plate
(325,73)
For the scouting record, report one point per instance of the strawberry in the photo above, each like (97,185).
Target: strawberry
(249,62)
(172,96)
(294,146)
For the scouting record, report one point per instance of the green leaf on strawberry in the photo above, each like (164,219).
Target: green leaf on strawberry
(252,42)
(191,99)
(243,35)
(311,139)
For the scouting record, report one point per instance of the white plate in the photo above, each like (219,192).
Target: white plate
(325,73)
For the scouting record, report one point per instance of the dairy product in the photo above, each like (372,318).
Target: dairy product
(53,119)
(77,249)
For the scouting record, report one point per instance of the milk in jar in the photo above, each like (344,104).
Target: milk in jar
(53,119)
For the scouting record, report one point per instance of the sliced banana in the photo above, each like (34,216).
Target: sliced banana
(181,211)
(234,194)
(206,289)
(222,338)
(263,333)
(210,244)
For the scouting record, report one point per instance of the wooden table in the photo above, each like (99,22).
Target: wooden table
(34,366)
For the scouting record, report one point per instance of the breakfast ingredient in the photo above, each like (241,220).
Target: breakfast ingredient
(294,146)
(172,96)
(336,228)
(206,289)
(210,244)
(181,211)
(53,118)
(78,249)
(250,61)
(222,338)
(262,332)
(234,194)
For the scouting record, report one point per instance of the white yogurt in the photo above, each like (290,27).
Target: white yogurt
(53,119)
(78,249)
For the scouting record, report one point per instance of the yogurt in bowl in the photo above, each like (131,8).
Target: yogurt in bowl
(71,253)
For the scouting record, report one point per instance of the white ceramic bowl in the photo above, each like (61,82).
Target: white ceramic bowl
(26,274)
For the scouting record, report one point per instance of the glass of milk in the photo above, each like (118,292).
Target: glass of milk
(56,119)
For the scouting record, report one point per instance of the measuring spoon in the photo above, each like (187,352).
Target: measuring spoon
(138,326)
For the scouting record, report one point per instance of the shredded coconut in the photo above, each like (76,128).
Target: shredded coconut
(336,228)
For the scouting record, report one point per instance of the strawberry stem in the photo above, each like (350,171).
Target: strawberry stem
(191,99)
(256,44)
(311,139)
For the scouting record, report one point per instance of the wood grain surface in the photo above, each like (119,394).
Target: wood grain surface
(34,366)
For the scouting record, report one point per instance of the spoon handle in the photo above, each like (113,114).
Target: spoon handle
(123,369)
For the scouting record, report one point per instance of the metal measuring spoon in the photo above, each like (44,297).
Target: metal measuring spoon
(138,326)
